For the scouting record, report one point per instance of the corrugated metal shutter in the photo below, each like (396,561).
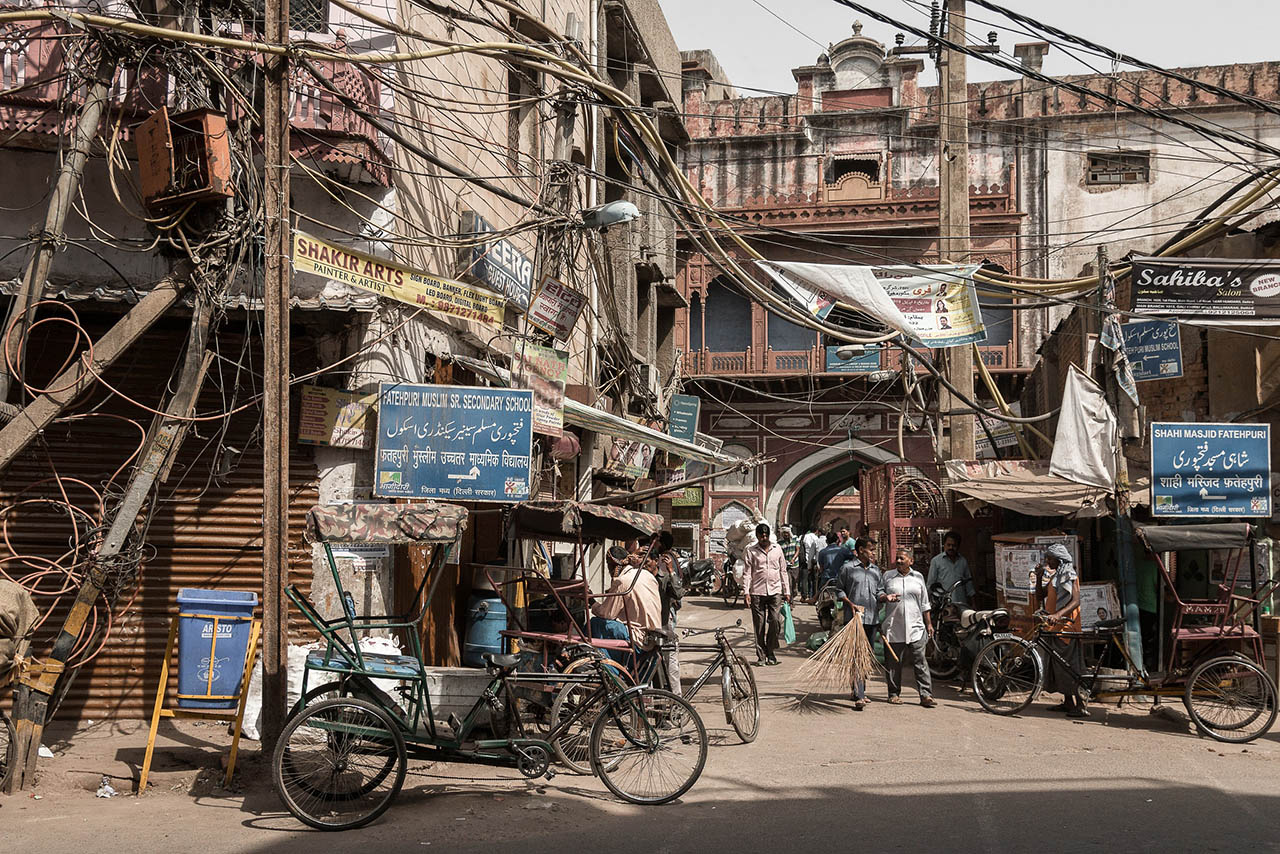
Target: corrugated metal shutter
(206,531)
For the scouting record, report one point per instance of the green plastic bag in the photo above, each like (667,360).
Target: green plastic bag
(788,625)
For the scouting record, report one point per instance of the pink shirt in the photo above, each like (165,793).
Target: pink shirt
(766,571)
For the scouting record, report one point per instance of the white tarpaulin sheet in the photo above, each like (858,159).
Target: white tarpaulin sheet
(1084,448)
(1025,486)
(933,304)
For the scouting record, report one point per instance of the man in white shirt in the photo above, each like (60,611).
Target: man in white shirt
(767,584)
(906,627)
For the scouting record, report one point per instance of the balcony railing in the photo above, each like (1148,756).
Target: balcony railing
(33,59)
(770,362)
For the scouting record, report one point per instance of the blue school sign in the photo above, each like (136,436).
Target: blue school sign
(1154,348)
(1211,470)
(453,443)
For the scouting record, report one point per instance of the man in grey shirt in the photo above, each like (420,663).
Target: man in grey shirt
(951,567)
(858,586)
(906,627)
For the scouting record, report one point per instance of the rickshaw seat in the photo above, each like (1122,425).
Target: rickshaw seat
(1209,633)
(375,664)
(501,659)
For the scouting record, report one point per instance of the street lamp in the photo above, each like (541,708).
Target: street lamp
(612,213)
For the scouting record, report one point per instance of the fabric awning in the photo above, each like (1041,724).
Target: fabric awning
(569,520)
(1026,487)
(1172,538)
(424,522)
(599,421)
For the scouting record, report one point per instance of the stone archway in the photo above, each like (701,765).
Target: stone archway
(794,477)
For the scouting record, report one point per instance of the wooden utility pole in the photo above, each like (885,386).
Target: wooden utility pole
(36,272)
(275,403)
(953,205)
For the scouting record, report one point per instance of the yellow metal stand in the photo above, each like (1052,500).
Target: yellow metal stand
(236,716)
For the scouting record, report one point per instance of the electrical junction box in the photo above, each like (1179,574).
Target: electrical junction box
(184,158)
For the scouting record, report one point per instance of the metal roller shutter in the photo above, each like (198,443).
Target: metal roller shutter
(206,531)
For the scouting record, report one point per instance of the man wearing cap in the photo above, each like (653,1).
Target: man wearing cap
(767,586)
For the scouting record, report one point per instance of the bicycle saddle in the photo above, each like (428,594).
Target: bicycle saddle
(504,660)
(1109,625)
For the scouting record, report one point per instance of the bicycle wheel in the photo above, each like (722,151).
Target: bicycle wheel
(1231,699)
(339,763)
(573,745)
(648,747)
(1006,676)
(741,699)
(6,740)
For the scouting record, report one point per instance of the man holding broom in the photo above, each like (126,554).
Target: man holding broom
(906,627)
(858,586)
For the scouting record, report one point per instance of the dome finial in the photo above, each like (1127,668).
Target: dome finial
(857,28)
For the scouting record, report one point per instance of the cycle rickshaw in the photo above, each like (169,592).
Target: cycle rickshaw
(342,756)
(1215,661)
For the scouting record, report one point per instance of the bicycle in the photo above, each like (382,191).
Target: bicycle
(738,693)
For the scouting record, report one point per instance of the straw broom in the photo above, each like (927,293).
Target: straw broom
(845,658)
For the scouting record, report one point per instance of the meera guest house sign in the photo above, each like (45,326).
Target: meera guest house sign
(460,443)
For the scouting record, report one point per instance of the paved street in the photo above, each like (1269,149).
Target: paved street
(820,778)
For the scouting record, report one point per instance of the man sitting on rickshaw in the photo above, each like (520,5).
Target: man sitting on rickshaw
(631,607)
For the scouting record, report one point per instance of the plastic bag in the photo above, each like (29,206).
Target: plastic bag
(788,624)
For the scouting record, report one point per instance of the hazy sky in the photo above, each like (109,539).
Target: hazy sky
(758,50)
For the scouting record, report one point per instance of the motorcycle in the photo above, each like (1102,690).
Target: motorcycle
(700,577)
(959,633)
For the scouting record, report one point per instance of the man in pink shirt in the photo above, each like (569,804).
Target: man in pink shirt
(768,585)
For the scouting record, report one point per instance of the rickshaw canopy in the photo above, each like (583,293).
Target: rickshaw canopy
(1173,538)
(429,522)
(568,521)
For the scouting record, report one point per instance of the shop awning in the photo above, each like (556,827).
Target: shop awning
(599,421)
(1026,487)
(568,520)
(1172,538)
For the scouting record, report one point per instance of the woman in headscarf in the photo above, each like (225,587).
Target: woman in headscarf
(1063,607)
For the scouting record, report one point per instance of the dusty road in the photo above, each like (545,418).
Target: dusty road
(820,778)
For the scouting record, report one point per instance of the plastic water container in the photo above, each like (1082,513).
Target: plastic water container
(486,620)
(213,639)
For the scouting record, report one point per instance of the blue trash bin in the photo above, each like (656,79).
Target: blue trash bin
(213,639)
(486,619)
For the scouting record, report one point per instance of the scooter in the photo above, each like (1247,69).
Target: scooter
(960,632)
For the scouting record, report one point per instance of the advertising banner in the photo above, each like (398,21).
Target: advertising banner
(683,420)
(629,458)
(453,443)
(1229,290)
(545,371)
(1154,348)
(387,279)
(692,497)
(342,419)
(497,264)
(938,301)
(1215,470)
(555,309)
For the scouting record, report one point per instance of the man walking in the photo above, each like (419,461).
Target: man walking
(809,544)
(949,568)
(831,558)
(790,550)
(767,586)
(907,627)
(858,586)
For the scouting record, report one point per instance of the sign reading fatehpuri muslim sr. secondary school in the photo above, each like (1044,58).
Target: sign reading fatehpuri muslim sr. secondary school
(388,279)
(462,443)
(1210,470)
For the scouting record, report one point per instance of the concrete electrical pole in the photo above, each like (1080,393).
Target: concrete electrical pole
(275,386)
(953,204)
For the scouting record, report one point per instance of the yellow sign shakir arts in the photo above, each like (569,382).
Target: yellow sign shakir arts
(384,278)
